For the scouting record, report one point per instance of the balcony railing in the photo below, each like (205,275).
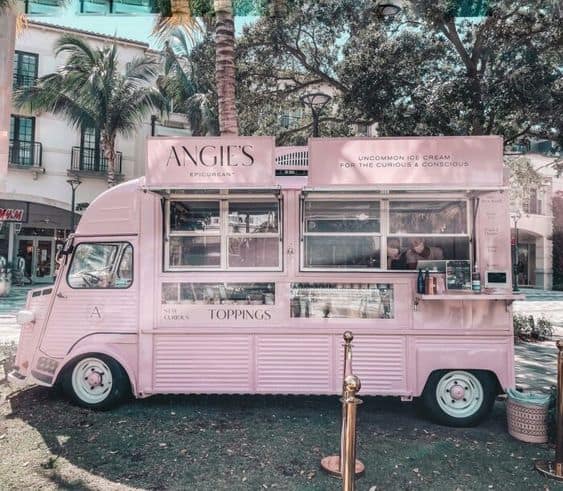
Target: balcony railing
(292,160)
(25,154)
(92,161)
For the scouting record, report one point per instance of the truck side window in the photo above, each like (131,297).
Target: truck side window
(342,234)
(94,265)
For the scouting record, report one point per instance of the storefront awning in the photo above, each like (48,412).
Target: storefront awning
(386,189)
(202,191)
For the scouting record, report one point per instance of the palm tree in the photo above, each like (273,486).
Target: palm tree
(178,13)
(225,66)
(187,91)
(90,91)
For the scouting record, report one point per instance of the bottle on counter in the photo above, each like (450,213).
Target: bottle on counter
(440,285)
(428,289)
(476,280)
(420,282)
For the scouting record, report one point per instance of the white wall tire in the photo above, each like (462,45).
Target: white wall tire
(95,381)
(459,397)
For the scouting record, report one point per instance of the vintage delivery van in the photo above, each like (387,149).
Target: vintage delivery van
(218,272)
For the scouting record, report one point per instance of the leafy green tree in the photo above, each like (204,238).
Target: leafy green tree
(295,50)
(427,71)
(91,91)
(498,74)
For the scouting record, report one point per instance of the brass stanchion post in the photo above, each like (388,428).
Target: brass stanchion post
(334,464)
(352,385)
(554,469)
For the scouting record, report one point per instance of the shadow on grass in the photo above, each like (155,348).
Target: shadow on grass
(248,442)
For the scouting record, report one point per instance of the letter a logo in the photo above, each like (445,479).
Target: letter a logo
(95,313)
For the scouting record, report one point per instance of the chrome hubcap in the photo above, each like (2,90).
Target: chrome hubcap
(91,380)
(459,394)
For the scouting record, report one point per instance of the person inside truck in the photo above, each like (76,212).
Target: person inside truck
(420,251)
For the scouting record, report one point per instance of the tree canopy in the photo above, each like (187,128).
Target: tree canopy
(437,68)
(426,71)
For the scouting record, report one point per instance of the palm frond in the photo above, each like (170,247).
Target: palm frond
(201,115)
(77,49)
(178,17)
(143,68)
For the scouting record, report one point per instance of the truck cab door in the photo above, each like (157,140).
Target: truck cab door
(98,294)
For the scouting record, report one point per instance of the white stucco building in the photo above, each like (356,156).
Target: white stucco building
(45,152)
(532,220)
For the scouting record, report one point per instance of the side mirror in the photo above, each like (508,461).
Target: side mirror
(24,317)
(66,250)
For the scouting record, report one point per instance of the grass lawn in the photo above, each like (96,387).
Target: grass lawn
(249,442)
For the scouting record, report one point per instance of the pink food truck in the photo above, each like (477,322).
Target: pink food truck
(224,272)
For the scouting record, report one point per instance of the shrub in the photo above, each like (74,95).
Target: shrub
(521,327)
(528,328)
(544,327)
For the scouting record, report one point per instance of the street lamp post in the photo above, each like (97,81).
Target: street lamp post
(388,10)
(74,182)
(515,215)
(316,101)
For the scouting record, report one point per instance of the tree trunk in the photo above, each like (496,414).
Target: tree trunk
(108,148)
(477,109)
(225,66)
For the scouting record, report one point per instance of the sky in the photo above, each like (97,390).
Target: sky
(136,27)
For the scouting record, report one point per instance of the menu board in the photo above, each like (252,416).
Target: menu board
(467,161)
(458,275)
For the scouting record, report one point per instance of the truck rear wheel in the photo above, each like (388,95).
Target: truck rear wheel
(459,397)
(96,381)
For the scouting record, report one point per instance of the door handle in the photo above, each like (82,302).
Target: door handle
(60,295)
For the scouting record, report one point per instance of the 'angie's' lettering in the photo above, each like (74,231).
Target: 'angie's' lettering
(212,156)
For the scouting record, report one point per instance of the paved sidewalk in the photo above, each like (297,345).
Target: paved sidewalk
(535,295)
(9,330)
(536,365)
(15,300)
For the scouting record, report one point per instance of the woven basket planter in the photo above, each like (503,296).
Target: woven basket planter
(527,422)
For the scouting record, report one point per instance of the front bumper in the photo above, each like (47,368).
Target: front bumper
(16,379)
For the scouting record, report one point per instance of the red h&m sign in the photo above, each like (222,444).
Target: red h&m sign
(11,215)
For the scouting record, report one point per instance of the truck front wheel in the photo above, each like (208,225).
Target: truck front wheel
(95,381)
(459,397)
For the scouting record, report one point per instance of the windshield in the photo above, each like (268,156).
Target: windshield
(94,265)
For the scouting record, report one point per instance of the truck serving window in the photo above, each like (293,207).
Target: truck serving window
(218,293)
(342,234)
(223,234)
(342,300)
(426,231)
(101,265)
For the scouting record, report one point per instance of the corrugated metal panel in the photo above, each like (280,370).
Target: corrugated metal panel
(294,364)
(86,312)
(379,362)
(202,363)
